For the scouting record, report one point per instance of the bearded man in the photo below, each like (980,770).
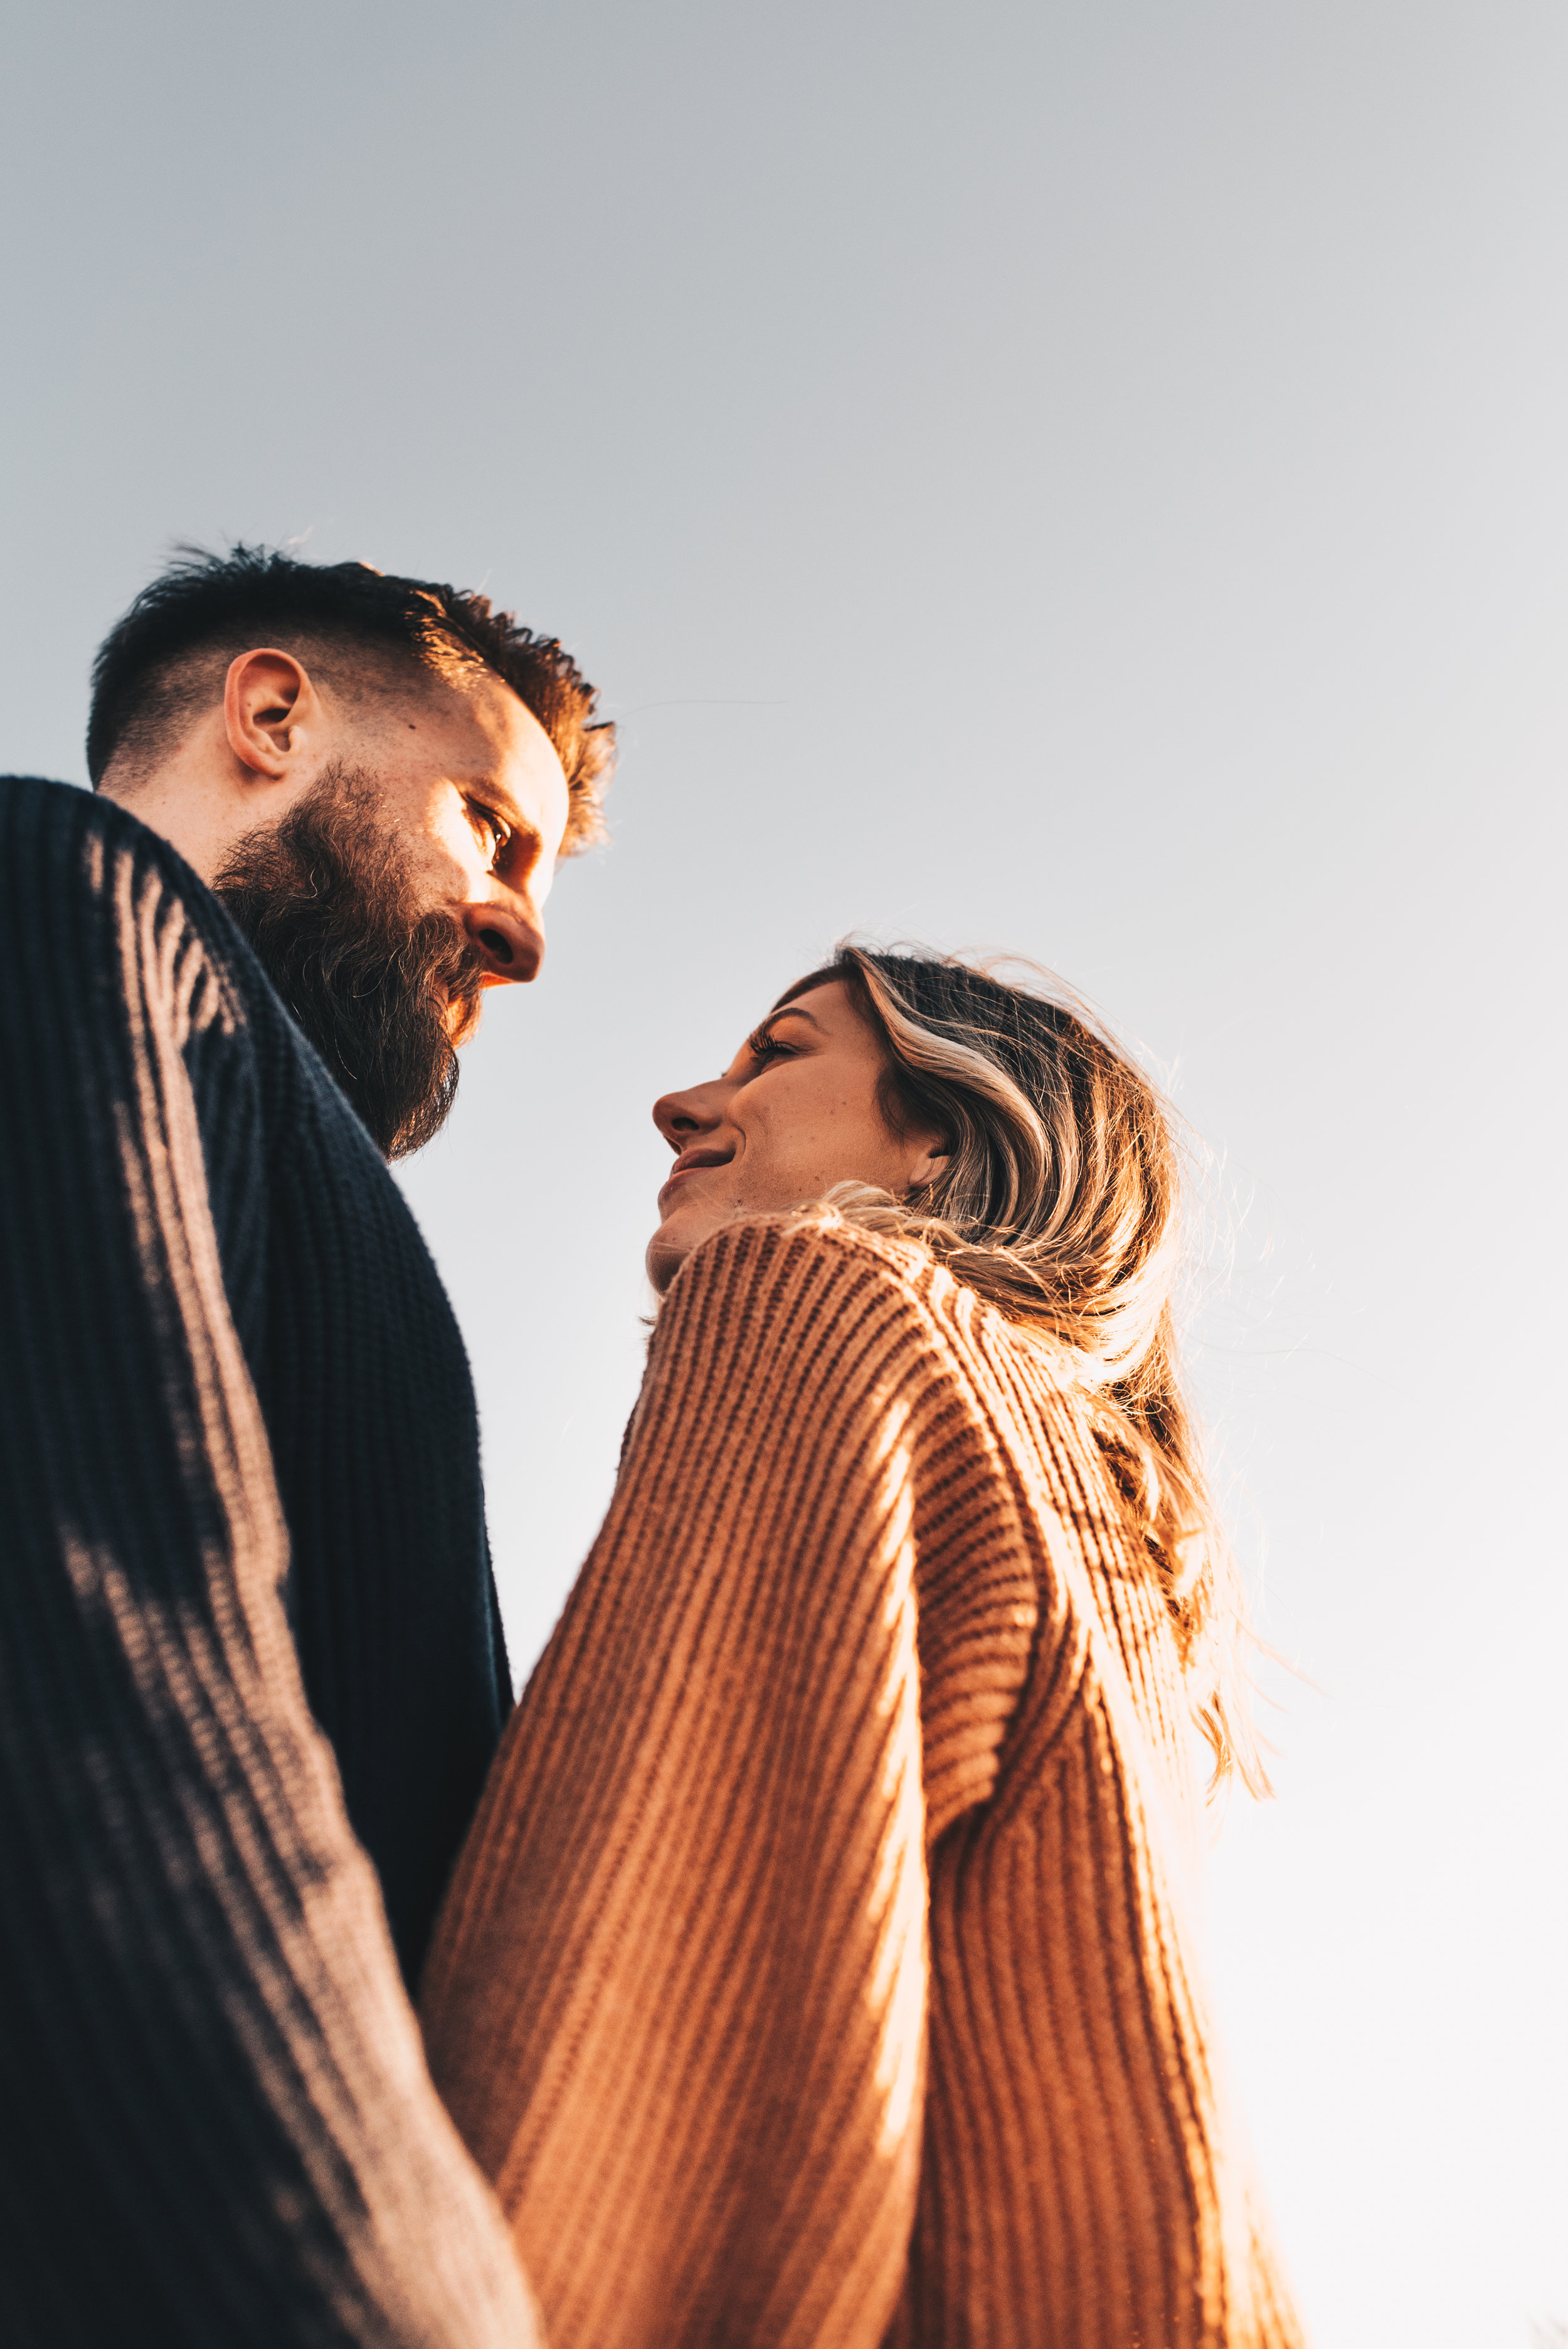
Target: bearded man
(250,1663)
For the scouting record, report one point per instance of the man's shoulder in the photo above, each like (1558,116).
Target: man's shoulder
(37,806)
(68,853)
(63,832)
(97,899)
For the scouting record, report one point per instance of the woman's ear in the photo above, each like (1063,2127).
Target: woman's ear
(930,1163)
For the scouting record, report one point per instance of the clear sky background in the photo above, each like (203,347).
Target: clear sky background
(1081,479)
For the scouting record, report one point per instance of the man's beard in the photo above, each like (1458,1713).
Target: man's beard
(382,991)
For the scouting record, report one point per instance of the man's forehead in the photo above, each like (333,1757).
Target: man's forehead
(506,736)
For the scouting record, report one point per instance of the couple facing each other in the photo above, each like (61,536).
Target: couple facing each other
(813,1964)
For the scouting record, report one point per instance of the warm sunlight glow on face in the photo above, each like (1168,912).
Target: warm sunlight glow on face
(795,1112)
(476,792)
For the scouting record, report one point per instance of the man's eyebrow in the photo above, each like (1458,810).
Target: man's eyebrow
(505,804)
(502,803)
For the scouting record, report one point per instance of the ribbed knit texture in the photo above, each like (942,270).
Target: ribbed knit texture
(216,2129)
(816,1971)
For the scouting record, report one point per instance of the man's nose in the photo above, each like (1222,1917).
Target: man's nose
(510,939)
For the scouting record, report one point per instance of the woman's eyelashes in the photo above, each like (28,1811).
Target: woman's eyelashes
(764,1046)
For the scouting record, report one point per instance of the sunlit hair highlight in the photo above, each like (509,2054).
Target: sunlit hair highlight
(357,627)
(1060,1202)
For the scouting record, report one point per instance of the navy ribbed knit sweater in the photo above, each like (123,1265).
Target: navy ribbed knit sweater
(239,1468)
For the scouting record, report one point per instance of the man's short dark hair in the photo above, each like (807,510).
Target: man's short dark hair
(150,676)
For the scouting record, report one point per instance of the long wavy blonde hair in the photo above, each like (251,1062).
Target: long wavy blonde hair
(1060,1202)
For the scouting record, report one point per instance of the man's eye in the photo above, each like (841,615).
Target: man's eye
(490,827)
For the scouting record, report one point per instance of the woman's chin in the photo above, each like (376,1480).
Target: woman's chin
(686,1226)
(668,1251)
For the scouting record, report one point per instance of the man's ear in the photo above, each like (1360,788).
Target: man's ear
(270,709)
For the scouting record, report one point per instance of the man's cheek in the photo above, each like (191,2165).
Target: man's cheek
(443,863)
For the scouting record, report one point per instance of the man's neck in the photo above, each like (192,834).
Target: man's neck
(202,811)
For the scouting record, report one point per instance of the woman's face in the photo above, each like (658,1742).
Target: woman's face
(795,1112)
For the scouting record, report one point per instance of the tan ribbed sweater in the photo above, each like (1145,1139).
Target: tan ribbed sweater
(815,1970)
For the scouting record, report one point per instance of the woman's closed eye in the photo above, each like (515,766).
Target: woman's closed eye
(764,1046)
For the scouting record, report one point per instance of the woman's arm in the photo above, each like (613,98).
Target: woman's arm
(677,1998)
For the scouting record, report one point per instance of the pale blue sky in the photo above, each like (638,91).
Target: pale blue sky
(1085,480)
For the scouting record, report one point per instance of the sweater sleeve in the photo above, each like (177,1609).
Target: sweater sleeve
(215,2123)
(677,1999)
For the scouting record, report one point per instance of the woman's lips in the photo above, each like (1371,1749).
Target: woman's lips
(691,1162)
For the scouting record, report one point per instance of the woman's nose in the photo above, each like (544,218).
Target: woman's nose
(680,1115)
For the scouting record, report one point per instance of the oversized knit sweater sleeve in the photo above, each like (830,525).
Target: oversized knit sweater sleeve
(677,1998)
(219,2132)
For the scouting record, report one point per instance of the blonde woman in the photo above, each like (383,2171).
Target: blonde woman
(817,1969)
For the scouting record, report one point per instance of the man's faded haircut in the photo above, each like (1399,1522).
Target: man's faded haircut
(362,628)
